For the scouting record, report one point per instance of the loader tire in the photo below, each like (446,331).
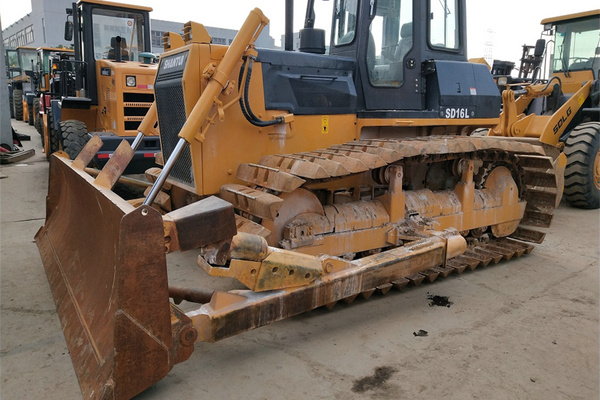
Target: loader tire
(53,137)
(36,117)
(582,174)
(31,113)
(18,104)
(11,105)
(74,135)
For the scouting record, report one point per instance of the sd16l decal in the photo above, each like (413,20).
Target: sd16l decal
(456,112)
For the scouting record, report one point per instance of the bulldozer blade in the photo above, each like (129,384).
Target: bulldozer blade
(106,265)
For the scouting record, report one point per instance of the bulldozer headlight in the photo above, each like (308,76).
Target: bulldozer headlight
(503,80)
(130,81)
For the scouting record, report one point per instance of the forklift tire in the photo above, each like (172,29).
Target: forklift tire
(11,105)
(582,174)
(36,117)
(18,104)
(74,135)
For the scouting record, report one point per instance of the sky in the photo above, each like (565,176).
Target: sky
(506,25)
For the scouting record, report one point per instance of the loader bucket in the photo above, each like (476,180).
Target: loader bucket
(106,265)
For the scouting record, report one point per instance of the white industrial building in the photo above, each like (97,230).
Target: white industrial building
(44,26)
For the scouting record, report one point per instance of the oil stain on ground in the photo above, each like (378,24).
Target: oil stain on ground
(440,301)
(375,381)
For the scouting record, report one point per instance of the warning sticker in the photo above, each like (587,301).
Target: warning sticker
(325,124)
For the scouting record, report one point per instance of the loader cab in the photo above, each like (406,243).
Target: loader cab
(105,31)
(13,68)
(576,56)
(20,63)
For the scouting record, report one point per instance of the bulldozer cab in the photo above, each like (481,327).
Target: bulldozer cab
(576,56)
(403,46)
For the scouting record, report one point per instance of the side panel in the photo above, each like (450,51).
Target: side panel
(232,140)
(461,90)
(305,84)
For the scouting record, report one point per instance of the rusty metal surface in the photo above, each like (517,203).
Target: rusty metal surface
(244,310)
(253,201)
(88,152)
(230,313)
(182,225)
(268,177)
(109,283)
(115,166)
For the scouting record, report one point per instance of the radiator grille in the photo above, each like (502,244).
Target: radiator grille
(170,106)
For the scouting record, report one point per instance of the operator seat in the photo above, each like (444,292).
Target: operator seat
(113,46)
(406,41)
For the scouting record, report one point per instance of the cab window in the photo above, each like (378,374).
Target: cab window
(390,40)
(110,26)
(444,24)
(28,59)
(344,23)
(12,63)
(575,46)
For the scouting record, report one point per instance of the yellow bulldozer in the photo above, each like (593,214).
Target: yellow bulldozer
(310,178)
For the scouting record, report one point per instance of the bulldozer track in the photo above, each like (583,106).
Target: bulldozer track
(477,256)
(533,170)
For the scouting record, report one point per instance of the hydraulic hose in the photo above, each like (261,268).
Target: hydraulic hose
(245,101)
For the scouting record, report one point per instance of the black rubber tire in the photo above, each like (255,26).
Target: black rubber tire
(582,149)
(37,120)
(74,135)
(11,105)
(54,139)
(30,120)
(18,104)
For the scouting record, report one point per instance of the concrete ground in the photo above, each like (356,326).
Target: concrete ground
(524,329)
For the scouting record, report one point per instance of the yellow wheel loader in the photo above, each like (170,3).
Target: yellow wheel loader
(107,88)
(564,109)
(20,67)
(46,83)
(310,178)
